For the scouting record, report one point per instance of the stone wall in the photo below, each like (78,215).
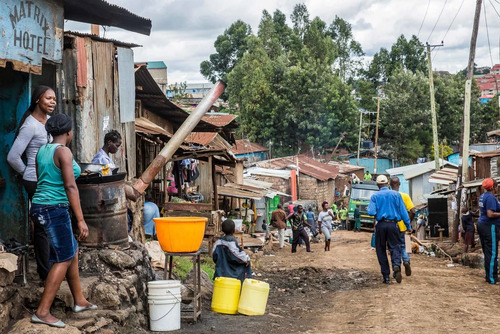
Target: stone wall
(114,280)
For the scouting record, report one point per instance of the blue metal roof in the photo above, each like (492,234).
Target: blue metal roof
(156,64)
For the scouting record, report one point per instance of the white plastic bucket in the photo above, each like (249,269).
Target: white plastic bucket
(164,301)
(161,288)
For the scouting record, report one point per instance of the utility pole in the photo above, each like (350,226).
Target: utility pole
(433,108)
(464,138)
(359,137)
(379,97)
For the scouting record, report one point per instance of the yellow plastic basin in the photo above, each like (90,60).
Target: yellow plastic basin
(226,295)
(253,299)
(180,234)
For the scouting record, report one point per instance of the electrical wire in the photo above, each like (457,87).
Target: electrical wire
(491,3)
(449,27)
(425,15)
(452,21)
(437,21)
(487,33)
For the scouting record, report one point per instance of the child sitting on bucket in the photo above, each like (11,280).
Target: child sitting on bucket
(230,260)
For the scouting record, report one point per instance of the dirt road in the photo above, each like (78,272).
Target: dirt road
(341,291)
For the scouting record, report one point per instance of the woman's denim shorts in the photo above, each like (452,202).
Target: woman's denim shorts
(57,224)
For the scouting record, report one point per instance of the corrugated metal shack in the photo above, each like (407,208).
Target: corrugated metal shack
(35,52)
(485,164)
(316,180)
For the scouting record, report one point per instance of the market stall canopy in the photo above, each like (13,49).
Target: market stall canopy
(103,13)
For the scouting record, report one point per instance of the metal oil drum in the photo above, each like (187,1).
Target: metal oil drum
(104,207)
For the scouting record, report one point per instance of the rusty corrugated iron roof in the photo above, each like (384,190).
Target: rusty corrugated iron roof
(106,14)
(219,120)
(307,166)
(202,138)
(243,146)
(486,154)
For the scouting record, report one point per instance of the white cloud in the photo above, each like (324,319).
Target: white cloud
(184,31)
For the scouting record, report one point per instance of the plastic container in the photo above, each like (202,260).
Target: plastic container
(226,295)
(164,300)
(253,299)
(164,287)
(180,234)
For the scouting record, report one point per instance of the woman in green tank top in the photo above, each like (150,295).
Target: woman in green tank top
(56,192)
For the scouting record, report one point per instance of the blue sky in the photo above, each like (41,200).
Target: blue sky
(183,32)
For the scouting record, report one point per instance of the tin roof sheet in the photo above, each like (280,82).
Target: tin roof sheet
(307,166)
(106,14)
(220,120)
(243,146)
(101,39)
(487,154)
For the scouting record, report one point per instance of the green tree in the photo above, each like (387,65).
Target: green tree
(285,90)
(405,116)
(230,47)
(348,49)
(484,118)
(300,19)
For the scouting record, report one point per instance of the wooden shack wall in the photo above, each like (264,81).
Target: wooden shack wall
(482,168)
(90,97)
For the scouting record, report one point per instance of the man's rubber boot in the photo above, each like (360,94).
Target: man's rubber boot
(407,268)
(397,274)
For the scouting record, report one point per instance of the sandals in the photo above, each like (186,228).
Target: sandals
(37,320)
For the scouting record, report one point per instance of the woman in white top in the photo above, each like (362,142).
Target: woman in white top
(325,220)
(30,136)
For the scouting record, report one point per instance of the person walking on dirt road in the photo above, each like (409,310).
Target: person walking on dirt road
(488,228)
(298,220)
(278,220)
(357,219)
(395,183)
(325,220)
(388,208)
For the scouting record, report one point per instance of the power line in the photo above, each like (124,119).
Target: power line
(442,9)
(458,11)
(491,3)
(487,33)
(449,27)
(425,15)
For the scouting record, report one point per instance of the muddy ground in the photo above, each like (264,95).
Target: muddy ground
(341,292)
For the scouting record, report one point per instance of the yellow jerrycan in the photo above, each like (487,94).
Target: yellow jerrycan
(253,299)
(226,295)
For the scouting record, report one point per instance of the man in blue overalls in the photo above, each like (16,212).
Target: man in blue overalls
(388,208)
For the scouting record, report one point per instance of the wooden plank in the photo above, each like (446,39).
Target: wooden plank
(188,207)
(214,183)
(130,149)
